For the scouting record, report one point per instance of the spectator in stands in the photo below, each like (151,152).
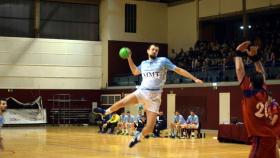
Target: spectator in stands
(3,107)
(173,55)
(211,55)
(272,59)
(176,125)
(161,124)
(112,123)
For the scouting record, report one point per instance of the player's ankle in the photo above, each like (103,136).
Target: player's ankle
(140,136)
(108,111)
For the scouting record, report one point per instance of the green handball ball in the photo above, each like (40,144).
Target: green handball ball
(124,53)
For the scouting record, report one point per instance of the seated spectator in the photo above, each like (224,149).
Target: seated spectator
(176,125)
(140,123)
(101,121)
(121,123)
(161,124)
(139,115)
(112,123)
(129,124)
(191,124)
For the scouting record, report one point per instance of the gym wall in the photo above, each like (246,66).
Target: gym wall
(151,25)
(220,7)
(28,63)
(182,28)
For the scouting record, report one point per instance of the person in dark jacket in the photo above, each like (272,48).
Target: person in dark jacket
(161,124)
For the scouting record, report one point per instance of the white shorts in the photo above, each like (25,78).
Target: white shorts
(150,99)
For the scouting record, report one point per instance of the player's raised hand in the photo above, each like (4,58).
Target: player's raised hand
(130,53)
(243,46)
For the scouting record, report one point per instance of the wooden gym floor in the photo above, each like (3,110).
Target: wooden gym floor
(85,142)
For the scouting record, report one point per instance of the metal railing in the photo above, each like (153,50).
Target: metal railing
(212,74)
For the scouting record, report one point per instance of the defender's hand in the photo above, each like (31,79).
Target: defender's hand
(243,46)
(253,51)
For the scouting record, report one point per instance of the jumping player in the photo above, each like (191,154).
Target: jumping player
(153,73)
(253,103)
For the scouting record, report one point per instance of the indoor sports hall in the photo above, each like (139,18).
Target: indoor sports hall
(65,65)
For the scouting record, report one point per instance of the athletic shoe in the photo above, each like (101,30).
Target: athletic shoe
(134,140)
(99,110)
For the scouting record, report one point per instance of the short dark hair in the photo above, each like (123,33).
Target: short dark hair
(3,99)
(257,80)
(153,44)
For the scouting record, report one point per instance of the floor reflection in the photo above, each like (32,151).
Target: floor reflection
(1,144)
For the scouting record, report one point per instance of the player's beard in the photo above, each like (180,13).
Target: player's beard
(153,56)
(3,110)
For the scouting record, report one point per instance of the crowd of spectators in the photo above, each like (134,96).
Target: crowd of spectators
(214,55)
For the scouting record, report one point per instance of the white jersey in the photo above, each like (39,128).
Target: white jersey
(154,73)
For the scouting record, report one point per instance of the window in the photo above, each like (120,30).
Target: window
(109,99)
(58,20)
(130,18)
(16,18)
(69,21)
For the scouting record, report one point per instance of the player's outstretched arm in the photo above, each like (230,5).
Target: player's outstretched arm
(239,65)
(186,74)
(132,66)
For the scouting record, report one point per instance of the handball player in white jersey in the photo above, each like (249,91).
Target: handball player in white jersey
(153,72)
